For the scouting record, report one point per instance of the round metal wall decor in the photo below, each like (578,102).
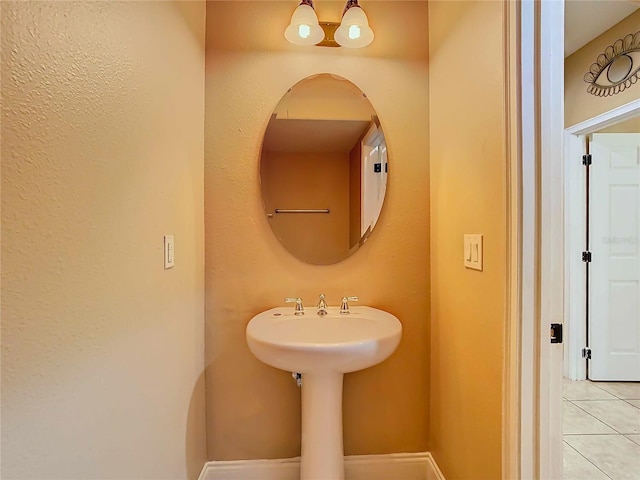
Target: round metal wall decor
(616,69)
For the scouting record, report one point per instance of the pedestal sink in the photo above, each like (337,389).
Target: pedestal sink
(323,349)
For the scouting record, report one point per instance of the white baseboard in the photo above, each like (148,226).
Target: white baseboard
(391,466)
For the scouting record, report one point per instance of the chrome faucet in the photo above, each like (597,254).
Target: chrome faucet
(344,308)
(322,305)
(299,309)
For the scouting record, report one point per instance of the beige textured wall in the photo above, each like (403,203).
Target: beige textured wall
(580,105)
(308,180)
(102,154)
(468,184)
(253,411)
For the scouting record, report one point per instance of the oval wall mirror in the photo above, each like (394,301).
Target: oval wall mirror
(323,169)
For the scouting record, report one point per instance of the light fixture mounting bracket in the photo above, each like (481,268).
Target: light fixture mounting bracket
(329,29)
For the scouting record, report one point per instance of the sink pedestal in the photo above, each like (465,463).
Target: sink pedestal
(322,451)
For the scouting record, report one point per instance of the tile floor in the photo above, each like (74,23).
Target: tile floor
(601,430)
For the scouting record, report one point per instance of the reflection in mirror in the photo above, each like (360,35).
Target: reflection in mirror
(323,169)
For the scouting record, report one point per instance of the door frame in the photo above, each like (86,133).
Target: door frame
(536,258)
(534,101)
(575,227)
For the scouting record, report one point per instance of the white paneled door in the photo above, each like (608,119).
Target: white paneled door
(614,271)
(374,179)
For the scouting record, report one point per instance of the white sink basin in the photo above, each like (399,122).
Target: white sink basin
(307,343)
(323,349)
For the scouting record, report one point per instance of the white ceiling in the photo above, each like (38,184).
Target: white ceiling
(323,136)
(586,19)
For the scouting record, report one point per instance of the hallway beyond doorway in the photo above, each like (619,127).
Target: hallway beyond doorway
(601,430)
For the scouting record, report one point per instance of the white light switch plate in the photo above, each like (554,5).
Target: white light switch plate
(473,251)
(169,251)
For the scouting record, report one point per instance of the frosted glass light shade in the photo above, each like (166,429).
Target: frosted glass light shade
(304,28)
(354,30)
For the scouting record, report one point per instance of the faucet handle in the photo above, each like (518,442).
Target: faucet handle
(344,308)
(299,309)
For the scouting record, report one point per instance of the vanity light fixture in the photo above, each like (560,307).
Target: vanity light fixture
(304,28)
(352,32)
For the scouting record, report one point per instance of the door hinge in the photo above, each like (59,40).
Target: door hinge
(377,167)
(556,333)
(586,257)
(586,353)
(586,159)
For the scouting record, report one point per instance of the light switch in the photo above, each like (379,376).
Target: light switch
(473,251)
(169,248)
